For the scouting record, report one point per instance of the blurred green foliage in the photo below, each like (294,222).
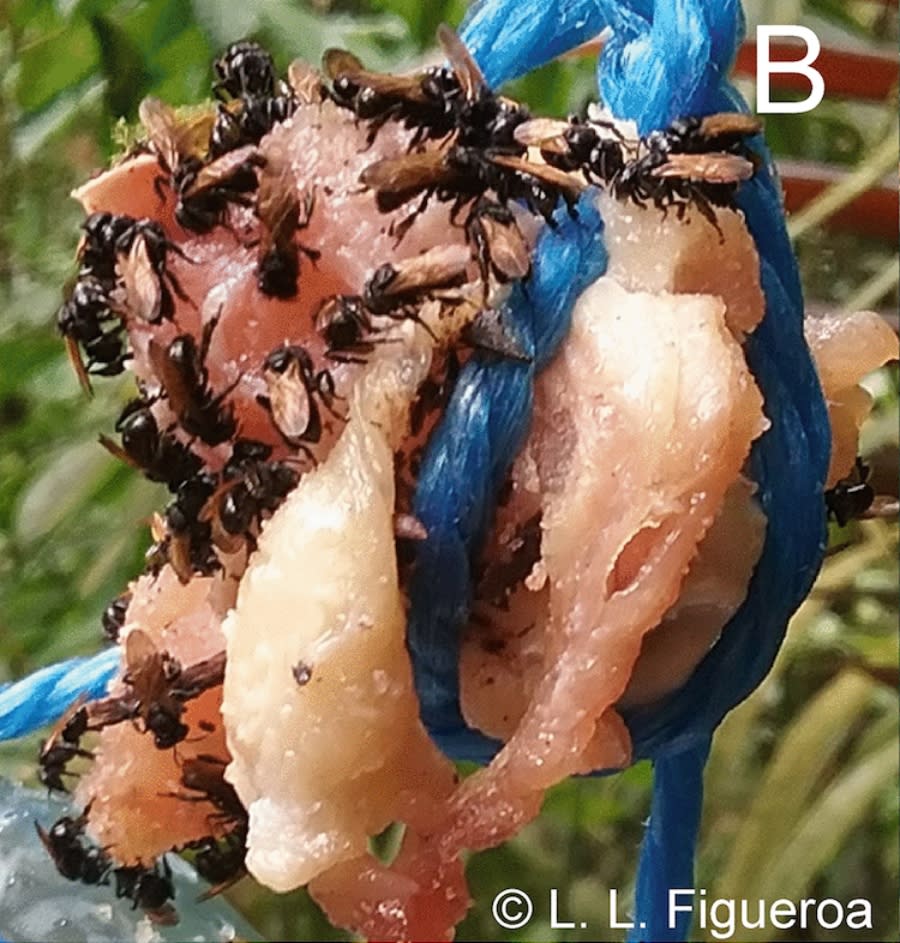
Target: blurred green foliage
(801,789)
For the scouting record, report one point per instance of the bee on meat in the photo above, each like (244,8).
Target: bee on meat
(99,245)
(135,248)
(499,245)
(346,326)
(259,101)
(75,859)
(204,190)
(113,618)
(397,180)
(281,214)
(244,69)
(221,863)
(245,123)
(293,386)
(398,285)
(181,370)
(62,746)
(152,678)
(254,487)
(88,323)
(148,284)
(159,455)
(184,537)
(204,775)
(595,148)
(482,118)
(151,889)
(852,496)
(378,97)
(462,175)
(725,131)
(695,161)
(436,103)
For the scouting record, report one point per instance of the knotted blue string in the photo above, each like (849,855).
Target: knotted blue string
(469,457)
(662,60)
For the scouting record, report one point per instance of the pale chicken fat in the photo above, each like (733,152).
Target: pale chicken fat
(846,347)
(498,680)
(319,704)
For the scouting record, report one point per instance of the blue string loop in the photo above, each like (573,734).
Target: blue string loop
(44,696)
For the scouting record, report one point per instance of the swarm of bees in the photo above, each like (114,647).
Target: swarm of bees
(156,690)
(78,859)
(484,156)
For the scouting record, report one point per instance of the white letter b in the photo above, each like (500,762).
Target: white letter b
(765,67)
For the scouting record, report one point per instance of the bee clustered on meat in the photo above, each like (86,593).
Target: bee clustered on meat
(479,152)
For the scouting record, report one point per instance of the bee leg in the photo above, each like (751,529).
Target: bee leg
(159,182)
(402,228)
(312,254)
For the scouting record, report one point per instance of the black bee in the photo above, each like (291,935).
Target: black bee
(99,247)
(181,370)
(221,863)
(394,286)
(136,249)
(152,678)
(204,775)
(260,101)
(204,189)
(147,282)
(346,326)
(463,175)
(159,455)
(254,487)
(596,148)
(293,388)
(246,124)
(151,889)
(87,322)
(62,746)
(281,214)
(694,162)
(186,540)
(436,103)
(852,496)
(113,618)
(244,69)
(499,245)
(75,859)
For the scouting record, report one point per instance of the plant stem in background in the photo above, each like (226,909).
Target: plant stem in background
(879,286)
(882,160)
(7,163)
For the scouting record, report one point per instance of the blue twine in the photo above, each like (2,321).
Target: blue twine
(469,457)
(46,695)
(664,58)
